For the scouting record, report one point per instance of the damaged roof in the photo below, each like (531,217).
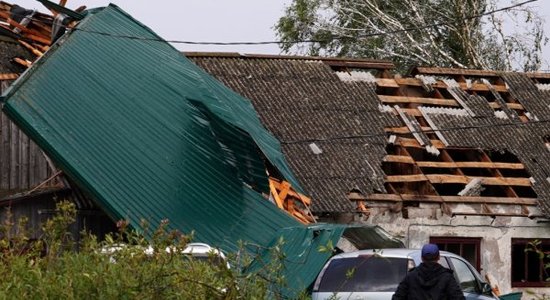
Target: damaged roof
(354,131)
(127,127)
(150,136)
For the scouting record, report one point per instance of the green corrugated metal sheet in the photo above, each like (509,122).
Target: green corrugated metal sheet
(151,136)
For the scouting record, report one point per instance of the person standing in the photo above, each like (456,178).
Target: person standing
(429,281)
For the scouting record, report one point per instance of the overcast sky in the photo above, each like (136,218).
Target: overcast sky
(222,20)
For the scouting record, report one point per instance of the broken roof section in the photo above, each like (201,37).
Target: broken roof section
(148,134)
(352,131)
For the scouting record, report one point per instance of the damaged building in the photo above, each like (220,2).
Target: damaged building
(456,157)
(105,113)
(450,156)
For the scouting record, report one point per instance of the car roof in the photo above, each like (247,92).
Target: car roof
(391,252)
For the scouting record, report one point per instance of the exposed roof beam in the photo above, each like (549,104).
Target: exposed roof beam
(457,164)
(420,100)
(446,178)
(451,199)
(395,83)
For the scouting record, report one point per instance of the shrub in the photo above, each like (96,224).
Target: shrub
(55,267)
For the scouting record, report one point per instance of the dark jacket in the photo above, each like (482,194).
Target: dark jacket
(429,281)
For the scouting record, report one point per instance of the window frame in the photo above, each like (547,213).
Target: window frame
(525,241)
(476,241)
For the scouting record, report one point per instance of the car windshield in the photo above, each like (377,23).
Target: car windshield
(363,274)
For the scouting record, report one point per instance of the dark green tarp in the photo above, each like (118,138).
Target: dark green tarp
(149,135)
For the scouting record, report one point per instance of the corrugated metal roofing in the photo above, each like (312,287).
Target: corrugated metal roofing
(302,101)
(140,126)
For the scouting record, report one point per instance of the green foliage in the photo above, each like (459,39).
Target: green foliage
(400,31)
(123,266)
(535,247)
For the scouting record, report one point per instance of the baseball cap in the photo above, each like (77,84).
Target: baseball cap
(430,251)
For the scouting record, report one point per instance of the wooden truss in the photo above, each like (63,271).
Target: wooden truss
(421,166)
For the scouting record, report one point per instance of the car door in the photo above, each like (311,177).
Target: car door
(469,280)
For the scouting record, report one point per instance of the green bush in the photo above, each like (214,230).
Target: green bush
(55,267)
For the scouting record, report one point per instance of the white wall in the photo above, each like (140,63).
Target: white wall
(495,233)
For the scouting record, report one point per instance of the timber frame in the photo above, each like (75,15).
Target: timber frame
(421,166)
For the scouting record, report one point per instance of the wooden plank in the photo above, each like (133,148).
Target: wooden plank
(395,83)
(406,178)
(30,33)
(302,218)
(412,112)
(399,159)
(405,129)
(538,75)
(411,123)
(14,159)
(30,47)
(420,100)
(275,195)
(23,62)
(510,105)
(454,71)
(304,199)
(33,166)
(488,214)
(458,164)
(387,82)
(24,161)
(470,164)
(9,76)
(38,38)
(5,151)
(284,187)
(452,199)
(406,142)
(446,178)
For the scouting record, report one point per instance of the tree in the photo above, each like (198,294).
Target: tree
(443,33)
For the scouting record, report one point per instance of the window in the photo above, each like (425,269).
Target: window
(466,278)
(468,248)
(527,267)
(364,274)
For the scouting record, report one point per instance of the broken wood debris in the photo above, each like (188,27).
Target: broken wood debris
(32,29)
(287,199)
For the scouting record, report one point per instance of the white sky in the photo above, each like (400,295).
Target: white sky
(223,21)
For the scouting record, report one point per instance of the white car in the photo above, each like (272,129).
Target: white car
(199,251)
(205,252)
(375,275)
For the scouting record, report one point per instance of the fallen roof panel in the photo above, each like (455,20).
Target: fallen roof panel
(131,120)
(151,136)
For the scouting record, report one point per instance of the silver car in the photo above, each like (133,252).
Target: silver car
(375,275)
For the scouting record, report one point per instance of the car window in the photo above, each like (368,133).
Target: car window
(443,261)
(466,278)
(363,274)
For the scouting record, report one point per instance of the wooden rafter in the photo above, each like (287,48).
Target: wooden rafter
(397,82)
(413,143)
(294,203)
(451,199)
(462,179)
(419,100)
(456,164)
